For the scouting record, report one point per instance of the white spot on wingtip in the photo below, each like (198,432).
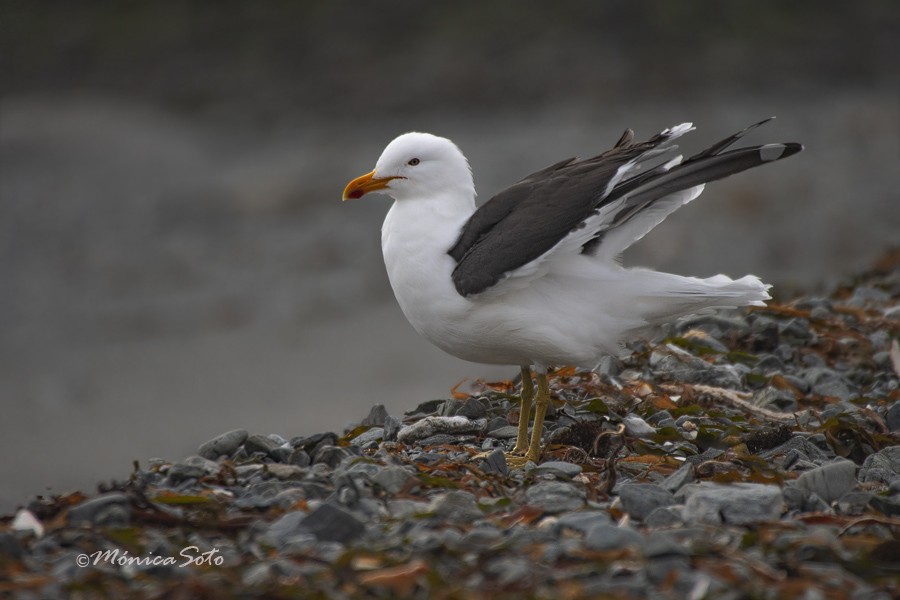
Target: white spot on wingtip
(673,163)
(771,151)
(679,130)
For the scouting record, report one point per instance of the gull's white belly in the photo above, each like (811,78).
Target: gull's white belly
(543,323)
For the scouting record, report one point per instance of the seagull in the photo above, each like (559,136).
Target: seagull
(533,276)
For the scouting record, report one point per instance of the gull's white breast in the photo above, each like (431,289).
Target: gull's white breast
(523,326)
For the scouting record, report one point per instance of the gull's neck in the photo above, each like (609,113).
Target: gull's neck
(427,222)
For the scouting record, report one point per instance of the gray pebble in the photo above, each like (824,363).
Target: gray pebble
(496,423)
(108,510)
(334,524)
(854,503)
(558,467)
(480,537)
(376,417)
(472,409)
(433,425)
(795,330)
(287,498)
(555,496)
(662,568)
(886,506)
(10,546)
(223,444)
(429,458)
(457,506)
(883,466)
(826,382)
(798,382)
(260,443)
(582,520)
(883,359)
(299,457)
(736,504)
(282,453)
(285,527)
(795,498)
(257,575)
(894,487)
(450,407)
(830,481)
(506,432)
(264,493)
(374,434)
(495,462)
(774,398)
(637,427)
(768,363)
(665,516)
(509,570)
(640,499)
(439,439)
(429,407)
(210,467)
(278,439)
(835,388)
(393,479)
(604,537)
(358,468)
(663,361)
(708,454)
(609,366)
(863,295)
(659,543)
(703,339)
(404,509)
(244,472)
(180,472)
(332,455)
(285,471)
(892,417)
(657,418)
(804,446)
(311,442)
(684,475)
(392,426)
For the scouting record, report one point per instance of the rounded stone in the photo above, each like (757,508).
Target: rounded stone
(735,504)
(223,444)
(554,496)
(108,510)
(640,499)
(605,536)
(830,481)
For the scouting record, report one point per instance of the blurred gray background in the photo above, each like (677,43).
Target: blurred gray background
(175,260)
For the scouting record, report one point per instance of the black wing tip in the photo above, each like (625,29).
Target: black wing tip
(626,138)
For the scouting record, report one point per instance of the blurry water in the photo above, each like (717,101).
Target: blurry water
(164,280)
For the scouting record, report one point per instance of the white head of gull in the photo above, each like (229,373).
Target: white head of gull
(532,277)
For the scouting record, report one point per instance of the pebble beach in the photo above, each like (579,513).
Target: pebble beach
(739,454)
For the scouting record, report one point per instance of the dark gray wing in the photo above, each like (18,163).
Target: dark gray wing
(529,218)
(648,198)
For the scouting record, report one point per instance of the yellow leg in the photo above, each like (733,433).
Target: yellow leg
(524,412)
(541,402)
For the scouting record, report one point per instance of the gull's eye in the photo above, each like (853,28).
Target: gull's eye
(413,162)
